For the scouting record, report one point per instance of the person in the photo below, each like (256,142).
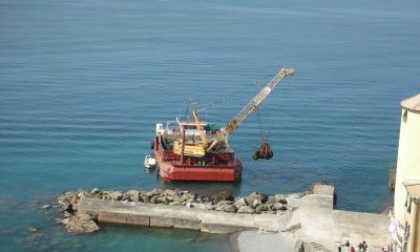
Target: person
(360,247)
(338,246)
(346,246)
(364,246)
(352,248)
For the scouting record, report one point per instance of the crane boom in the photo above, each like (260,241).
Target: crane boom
(252,106)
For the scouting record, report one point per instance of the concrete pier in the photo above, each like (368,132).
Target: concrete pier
(149,215)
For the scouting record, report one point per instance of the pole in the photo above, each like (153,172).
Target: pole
(183,146)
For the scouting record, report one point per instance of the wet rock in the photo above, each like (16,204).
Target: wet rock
(46,206)
(67,207)
(80,223)
(246,210)
(32,229)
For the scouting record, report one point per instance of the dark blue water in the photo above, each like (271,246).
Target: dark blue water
(82,84)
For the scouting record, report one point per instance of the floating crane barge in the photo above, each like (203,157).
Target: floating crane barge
(181,155)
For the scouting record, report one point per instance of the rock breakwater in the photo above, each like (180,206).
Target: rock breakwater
(254,203)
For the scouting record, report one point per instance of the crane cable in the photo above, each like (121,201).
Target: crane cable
(226,97)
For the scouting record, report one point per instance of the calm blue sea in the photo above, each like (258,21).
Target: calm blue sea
(82,84)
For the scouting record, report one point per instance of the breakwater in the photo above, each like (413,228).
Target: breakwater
(219,213)
(307,219)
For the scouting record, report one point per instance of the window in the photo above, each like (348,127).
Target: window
(404,116)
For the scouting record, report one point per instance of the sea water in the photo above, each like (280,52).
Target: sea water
(83,83)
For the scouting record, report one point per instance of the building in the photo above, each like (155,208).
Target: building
(407,186)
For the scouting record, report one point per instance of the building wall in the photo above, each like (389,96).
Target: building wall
(408,166)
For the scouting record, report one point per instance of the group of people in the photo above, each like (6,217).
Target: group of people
(347,247)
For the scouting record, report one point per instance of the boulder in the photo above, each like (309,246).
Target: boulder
(257,202)
(278,206)
(246,210)
(261,208)
(154,199)
(154,192)
(223,195)
(271,200)
(95,191)
(143,197)
(168,192)
(133,195)
(210,206)
(240,202)
(80,223)
(226,206)
(189,197)
(116,195)
(46,206)
(256,195)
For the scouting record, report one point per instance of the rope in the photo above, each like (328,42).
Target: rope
(226,97)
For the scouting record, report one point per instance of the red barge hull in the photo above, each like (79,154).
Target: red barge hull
(221,167)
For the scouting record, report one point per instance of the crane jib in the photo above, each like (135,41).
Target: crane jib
(252,106)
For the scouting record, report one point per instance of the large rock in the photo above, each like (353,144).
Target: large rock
(154,192)
(223,195)
(116,195)
(279,207)
(256,195)
(226,206)
(240,202)
(246,210)
(133,195)
(95,191)
(80,223)
(257,202)
(261,208)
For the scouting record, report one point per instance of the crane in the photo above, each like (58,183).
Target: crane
(251,107)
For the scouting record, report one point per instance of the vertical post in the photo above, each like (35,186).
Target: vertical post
(183,146)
